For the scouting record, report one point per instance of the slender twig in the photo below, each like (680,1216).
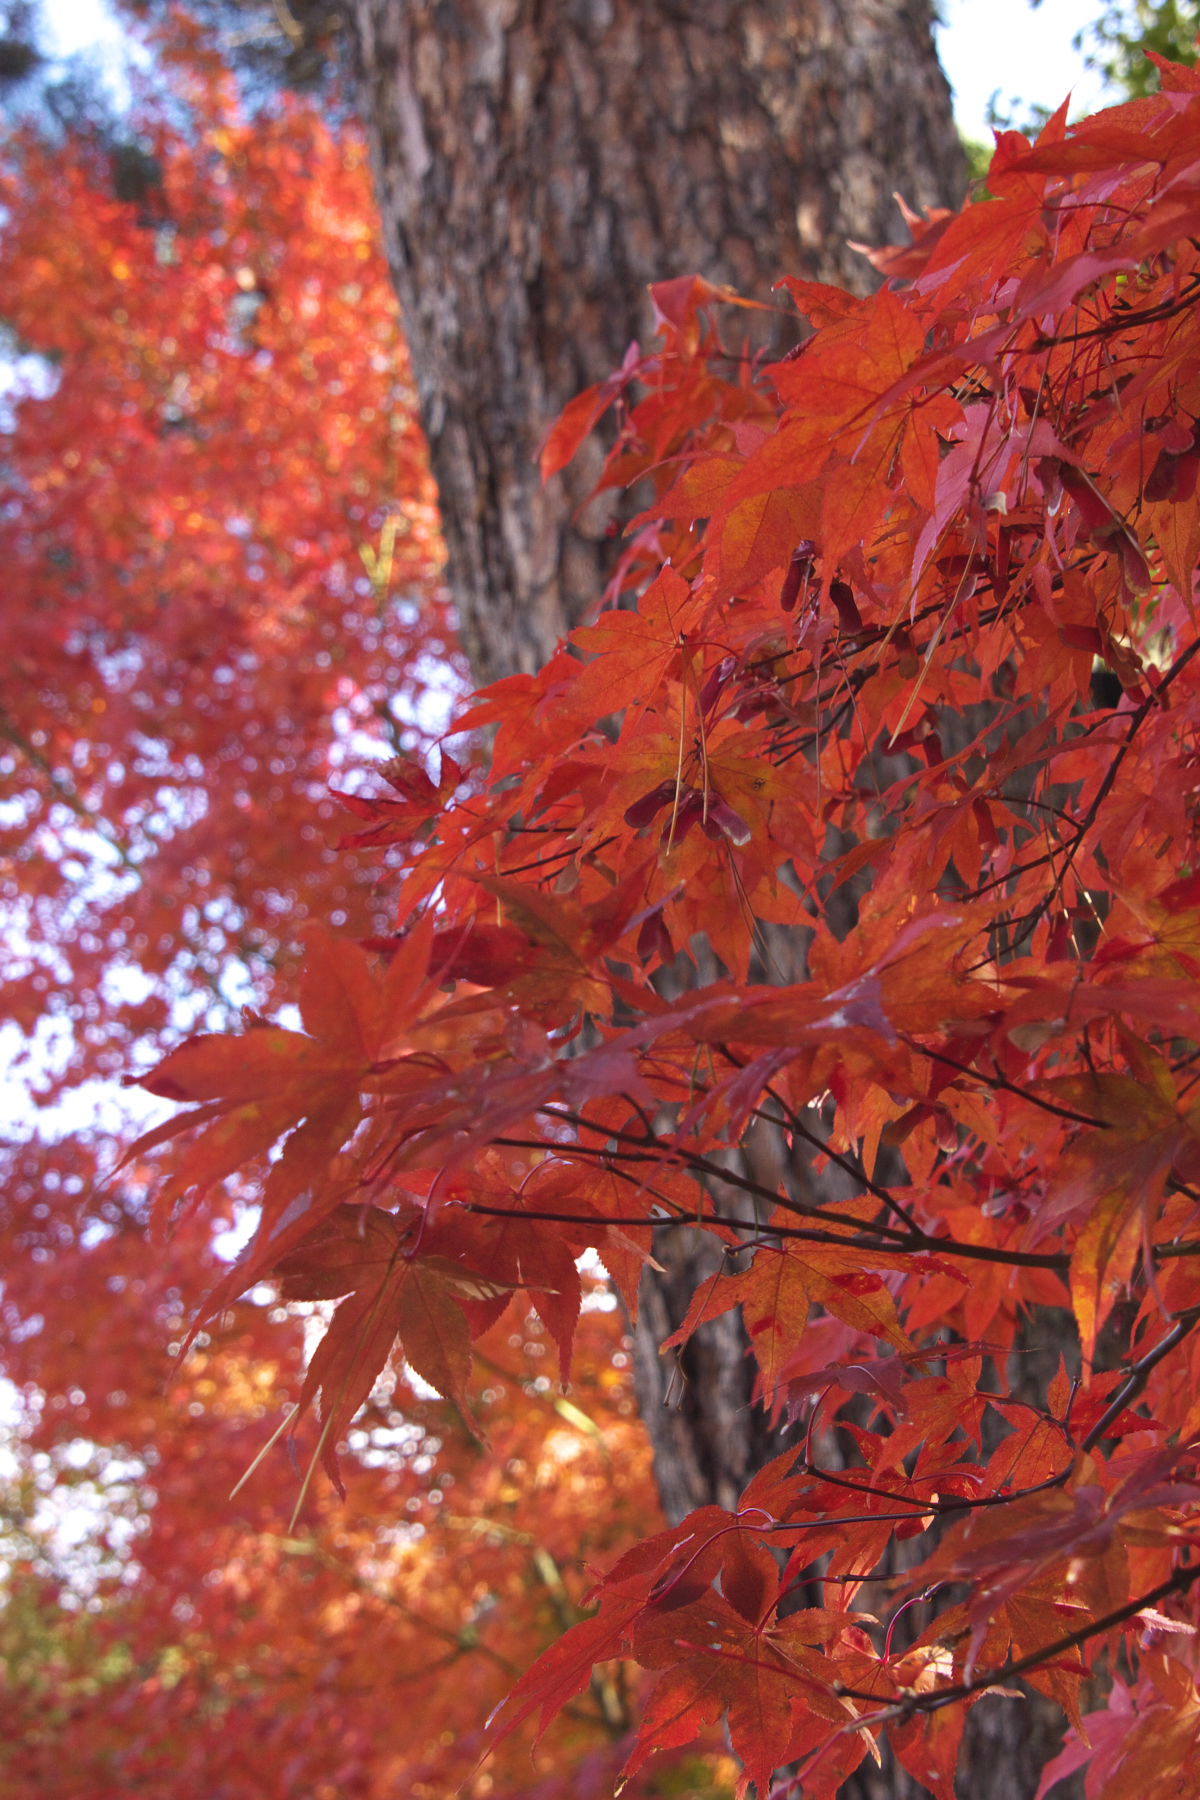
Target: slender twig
(1139,1375)
(994,1079)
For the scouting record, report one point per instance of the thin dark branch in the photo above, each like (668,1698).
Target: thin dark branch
(996,1080)
(1129,321)
(1178,1583)
(1139,1375)
(899,1243)
(958,1504)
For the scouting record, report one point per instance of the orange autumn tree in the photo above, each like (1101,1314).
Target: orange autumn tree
(223,589)
(906,670)
(184,1643)
(221,550)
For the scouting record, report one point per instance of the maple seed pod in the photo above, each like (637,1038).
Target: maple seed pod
(842,595)
(689,812)
(654,940)
(799,574)
(722,822)
(1173,477)
(716,681)
(644,810)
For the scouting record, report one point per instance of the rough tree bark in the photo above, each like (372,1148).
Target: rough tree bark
(537,168)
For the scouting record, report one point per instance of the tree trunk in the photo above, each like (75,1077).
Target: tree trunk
(538,167)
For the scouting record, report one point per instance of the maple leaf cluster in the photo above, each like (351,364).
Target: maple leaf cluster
(848,713)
